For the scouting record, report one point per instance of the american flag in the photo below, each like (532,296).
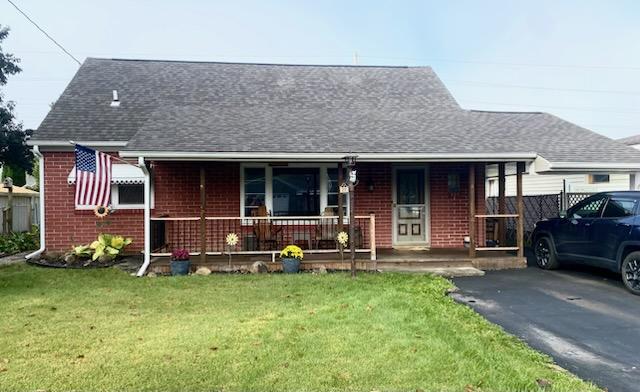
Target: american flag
(93,177)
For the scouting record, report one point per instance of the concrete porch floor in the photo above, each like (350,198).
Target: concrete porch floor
(446,262)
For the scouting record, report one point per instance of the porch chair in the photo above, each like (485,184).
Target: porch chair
(267,234)
(327,230)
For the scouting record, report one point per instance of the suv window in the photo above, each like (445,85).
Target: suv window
(619,208)
(589,208)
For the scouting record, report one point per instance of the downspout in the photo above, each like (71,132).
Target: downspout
(147,217)
(37,153)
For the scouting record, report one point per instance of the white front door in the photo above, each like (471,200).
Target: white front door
(410,212)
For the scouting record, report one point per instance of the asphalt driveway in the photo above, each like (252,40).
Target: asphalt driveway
(582,317)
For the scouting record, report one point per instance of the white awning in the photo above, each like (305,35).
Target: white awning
(120,174)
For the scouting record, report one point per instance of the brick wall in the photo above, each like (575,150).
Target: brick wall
(450,211)
(379,201)
(176,186)
(65,226)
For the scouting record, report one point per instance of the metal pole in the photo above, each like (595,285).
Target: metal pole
(352,230)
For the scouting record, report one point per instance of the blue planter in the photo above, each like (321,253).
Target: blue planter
(290,265)
(180,267)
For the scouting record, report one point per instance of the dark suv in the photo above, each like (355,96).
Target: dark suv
(602,230)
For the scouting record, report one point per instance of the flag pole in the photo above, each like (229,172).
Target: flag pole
(112,156)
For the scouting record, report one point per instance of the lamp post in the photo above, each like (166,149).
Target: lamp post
(350,162)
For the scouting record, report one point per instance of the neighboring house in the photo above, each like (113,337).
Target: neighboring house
(242,136)
(634,178)
(25,208)
(548,184)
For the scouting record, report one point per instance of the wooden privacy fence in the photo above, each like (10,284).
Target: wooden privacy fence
(536,208)
(259,235)
(24,213)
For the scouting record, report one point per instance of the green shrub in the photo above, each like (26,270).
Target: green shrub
(19,242)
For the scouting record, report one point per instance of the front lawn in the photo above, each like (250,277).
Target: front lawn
(105,330)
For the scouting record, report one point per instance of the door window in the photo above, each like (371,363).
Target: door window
(589,208)
(619,208)
(410,187)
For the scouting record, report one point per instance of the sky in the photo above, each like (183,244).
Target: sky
(579,60)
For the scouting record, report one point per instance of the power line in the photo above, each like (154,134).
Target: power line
(505,85)
(44,32)
(583,108)
(436,60)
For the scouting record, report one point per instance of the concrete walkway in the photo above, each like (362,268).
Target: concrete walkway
(13,259)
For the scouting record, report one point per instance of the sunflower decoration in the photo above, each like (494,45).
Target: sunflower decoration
(343,238)
(232,239)
(101,211)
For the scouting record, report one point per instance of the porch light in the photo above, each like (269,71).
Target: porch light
(350,160)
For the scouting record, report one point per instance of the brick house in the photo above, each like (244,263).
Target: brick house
(215,142)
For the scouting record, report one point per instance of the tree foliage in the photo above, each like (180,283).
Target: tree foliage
(13,148)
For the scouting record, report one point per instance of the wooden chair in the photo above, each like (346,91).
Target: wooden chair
(327,230)
(267,234)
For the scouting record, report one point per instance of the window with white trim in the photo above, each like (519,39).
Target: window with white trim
(128,195)
(291,190)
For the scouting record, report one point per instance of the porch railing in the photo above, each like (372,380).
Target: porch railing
(260,235)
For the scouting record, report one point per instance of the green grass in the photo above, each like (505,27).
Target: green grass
(105,330)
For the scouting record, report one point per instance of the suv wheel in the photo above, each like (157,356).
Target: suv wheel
(545,254)
(631,272)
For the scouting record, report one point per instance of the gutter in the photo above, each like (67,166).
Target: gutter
(36,152)
(331,157)
(147,217)
(543,166)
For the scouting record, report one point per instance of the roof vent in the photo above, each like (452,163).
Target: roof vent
(116,102)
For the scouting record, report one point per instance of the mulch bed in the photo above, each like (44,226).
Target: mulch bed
(79,265)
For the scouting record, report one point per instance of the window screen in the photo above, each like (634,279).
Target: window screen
(130,194)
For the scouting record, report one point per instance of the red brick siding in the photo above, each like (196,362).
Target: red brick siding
(176,188)
(450,211)
(65,226)
(379,201)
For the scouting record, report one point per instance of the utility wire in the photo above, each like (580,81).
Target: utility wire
(506,85)
(582,108)
(44,32)
(435,60)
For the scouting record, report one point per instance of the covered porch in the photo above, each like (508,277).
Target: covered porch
(406,215)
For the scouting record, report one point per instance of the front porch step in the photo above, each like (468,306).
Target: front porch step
(449,272)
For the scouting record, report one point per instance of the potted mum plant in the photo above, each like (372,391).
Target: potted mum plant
(180,263)
(291,256)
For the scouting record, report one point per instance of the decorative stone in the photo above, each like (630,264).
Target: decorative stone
(70,258)
(151,275)
(259,267)
(322,269)
(105,259)
(203,271)
(53,256)
(157,270)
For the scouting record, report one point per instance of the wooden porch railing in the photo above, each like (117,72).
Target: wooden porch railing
(259,235)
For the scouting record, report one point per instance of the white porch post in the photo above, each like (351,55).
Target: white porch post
(147,217)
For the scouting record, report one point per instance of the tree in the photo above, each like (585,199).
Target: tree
(14,151)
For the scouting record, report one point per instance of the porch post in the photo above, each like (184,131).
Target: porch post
(340,197)
(502,204)
(520,202)
(203,222)
(472,210)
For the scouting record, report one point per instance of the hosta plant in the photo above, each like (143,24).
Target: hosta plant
(109,246)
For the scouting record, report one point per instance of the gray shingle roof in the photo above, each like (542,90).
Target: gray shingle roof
(631,140)
(225,107)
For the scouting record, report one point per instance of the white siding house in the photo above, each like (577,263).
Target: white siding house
(546,184)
